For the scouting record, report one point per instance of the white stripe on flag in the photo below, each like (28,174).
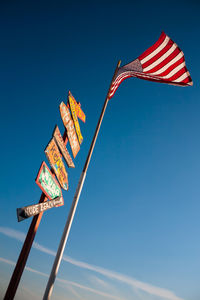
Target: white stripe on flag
(158,61)
(175,59)
(175,70)
(164,43)
(182,77)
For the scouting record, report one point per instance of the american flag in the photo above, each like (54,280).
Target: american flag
(163,62)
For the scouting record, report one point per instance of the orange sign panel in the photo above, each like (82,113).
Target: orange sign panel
(55,160)
(69,125)
(61,145)
(79,112)
(74,116)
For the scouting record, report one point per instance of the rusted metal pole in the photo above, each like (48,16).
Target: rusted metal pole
(22,259)
(19,268)
(61,248)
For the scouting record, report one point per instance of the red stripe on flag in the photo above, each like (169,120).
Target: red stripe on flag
(188,79)
(152,48)
(171,67)
(178,74)
(165,61)
(159,54)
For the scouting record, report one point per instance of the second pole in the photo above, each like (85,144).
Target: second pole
(61,248)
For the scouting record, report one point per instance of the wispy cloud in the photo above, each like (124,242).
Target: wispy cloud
(66,283)
(18,235)
(153,290)
(43,249)
(134,283)
(95,280)
(100,293)
(72,290)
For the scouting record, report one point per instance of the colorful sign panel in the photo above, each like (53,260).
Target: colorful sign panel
(61,145)
(32,210)
(55,160)
(48,183)
(69,125)
(74,116)
(80,114)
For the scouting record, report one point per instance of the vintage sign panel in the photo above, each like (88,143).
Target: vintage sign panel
(48,183)
(61,145)
(33,210)
(69,125)
(80,114)
(57,164)
(72,105)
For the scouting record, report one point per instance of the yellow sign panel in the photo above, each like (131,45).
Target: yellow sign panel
(69,125)
(57,164)
(74,116)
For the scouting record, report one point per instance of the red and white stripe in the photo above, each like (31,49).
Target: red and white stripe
(163,62)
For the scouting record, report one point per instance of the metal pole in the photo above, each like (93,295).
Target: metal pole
(61,248)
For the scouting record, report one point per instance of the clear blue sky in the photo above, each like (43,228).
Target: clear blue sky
(136,232)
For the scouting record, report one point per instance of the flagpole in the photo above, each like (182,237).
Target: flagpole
(63,241)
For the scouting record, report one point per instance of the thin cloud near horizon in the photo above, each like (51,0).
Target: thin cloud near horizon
(134,283)
(64,281)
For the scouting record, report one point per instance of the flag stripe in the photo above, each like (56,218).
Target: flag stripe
(163,57)
(158,55)
(157,50)
(184,76)
(152,48)
(177,75)
(166,61)
(174,71)
(188,81)
(168,67)
(126,75)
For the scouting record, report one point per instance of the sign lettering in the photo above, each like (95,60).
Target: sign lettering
(74,116)
(69,125)
(32,210)
(61,145)
(47,182)
(57,164)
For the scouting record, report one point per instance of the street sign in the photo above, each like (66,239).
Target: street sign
(61,145)
(32,210)
(72,104)
(57,164)
(69,125)
(48,183)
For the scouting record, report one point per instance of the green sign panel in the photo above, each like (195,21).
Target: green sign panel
(48,183)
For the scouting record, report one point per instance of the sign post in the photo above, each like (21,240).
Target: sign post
(22,259)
